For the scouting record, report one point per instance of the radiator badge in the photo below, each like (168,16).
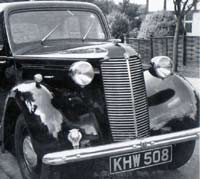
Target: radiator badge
(74,137)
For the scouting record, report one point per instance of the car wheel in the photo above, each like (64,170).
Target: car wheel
(25,153)
(181,154)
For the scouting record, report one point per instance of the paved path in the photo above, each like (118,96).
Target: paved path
(8,167)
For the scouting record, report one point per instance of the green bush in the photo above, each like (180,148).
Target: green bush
(118,23)
(134,32)
(157,24)
(106,5)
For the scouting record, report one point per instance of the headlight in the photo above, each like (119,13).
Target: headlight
(162,66)
(82,73)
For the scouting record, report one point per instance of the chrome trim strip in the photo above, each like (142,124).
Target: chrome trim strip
(76,155)
(132,96)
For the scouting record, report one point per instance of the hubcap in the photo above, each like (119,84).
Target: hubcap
(29,153)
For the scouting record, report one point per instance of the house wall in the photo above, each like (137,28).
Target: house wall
(196,24)
(192,23)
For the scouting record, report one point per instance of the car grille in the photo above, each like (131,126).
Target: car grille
(125,97)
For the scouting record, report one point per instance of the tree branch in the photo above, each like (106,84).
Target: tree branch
(189,7)
(183,9)
(175,7)
(184,5)
(179,5)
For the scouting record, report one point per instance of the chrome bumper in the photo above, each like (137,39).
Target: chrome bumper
(76,155)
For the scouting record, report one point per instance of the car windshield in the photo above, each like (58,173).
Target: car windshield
(45,26)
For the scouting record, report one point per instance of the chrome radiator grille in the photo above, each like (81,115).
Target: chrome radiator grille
(125,96)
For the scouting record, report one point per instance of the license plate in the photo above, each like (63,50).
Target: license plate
(139,160)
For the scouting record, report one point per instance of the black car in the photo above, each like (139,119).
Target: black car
(75,98)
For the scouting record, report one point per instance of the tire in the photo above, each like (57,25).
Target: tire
(30,169)
(181,154)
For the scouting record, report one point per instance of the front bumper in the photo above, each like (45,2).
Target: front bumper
(77,155)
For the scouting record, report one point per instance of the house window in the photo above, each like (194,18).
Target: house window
(189,16)
(188,22)
(188,27)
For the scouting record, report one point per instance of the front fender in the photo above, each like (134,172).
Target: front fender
(173,104)
(46,122)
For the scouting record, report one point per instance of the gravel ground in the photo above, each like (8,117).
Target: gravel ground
(9,168)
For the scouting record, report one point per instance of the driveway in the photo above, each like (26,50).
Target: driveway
(9,170)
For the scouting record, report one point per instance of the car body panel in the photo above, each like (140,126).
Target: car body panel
(56,105)
(178,106)
(49,118)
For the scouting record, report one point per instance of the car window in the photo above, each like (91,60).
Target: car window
(35,26)
(24,32)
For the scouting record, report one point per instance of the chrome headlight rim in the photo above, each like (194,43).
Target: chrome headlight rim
(82,73)
(162,66)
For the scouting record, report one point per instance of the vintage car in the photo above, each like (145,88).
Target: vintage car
(77,100)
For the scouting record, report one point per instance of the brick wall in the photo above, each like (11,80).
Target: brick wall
(188,52)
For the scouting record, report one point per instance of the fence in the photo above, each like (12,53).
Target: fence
(188,52)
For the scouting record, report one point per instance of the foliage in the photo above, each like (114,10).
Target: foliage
(118,23)
(157,24)
(124,5)
(134,32)
(134,13)
(106,5)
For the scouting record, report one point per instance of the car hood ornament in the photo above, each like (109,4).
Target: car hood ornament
(74,137)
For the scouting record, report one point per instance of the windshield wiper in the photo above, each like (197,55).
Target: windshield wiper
(88,31)
(54,29)
(49,34)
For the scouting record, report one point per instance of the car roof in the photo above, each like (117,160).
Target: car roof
(48,4)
